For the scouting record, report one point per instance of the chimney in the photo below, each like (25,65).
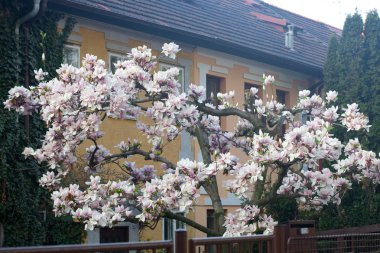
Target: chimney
(289,37)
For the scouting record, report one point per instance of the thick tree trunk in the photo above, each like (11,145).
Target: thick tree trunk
(211,186)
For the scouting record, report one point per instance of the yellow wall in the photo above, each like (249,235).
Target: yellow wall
(93,40)
(234,80)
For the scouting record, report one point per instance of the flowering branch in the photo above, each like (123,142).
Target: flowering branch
(74,104)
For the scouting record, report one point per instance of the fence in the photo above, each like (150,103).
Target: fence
(154,246)
(242,244)
(291,238)
(355,243)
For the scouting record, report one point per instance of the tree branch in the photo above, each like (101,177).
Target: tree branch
(175,216)
(253,119)
(211,186)
(272,195)
(143,153)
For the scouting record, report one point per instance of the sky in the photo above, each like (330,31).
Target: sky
(332,12)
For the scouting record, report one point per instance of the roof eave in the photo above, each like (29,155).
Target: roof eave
(182,36)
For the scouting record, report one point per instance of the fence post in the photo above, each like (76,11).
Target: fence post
(180,241)
(280,239)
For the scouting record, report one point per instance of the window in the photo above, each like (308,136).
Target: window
(247,90)
(71,55)
(115,234)
(114,58)
(181,76)
(213,84)
(282,97)
(169,226)
(210,219)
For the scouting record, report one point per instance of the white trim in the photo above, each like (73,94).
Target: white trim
(220,70)
(203,71)
(118,55)
(255,67)
(122,58)
(75,38)
(182,81)
(93,236)
(252,77)
(282,84)
(117,47)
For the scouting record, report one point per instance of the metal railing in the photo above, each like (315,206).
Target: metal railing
(139,247)
(242,244)
(344,243)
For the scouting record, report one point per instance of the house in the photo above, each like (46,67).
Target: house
(226,45)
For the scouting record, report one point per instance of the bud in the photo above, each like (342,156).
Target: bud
(43,57)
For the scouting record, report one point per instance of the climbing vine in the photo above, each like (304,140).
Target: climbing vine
(25,211)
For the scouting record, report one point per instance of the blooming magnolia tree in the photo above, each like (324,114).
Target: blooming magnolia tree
(279,165)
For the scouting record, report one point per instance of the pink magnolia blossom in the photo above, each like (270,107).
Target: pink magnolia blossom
(170,49)
(74,104)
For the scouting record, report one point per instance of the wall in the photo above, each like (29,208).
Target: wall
(235,71)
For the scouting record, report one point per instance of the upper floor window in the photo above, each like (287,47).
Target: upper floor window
(113,58)
(180,77)
(247,91)
(213,87)
(282,97)
(71,55)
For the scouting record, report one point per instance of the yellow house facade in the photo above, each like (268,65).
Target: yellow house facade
(213,68)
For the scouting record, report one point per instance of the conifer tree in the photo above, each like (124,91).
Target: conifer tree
(371,77)
(353,69)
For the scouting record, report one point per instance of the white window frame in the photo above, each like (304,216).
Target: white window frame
(119,55)
(181,68)
(122,58)
(78,56)
(174,225)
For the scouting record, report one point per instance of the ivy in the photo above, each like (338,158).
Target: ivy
(22,202)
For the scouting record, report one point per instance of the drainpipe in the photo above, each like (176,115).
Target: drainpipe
(33,13)
(28,16)
(20,21)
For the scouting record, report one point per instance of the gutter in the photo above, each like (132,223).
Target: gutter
(28,16)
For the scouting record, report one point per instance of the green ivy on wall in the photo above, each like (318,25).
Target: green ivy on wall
(25,208)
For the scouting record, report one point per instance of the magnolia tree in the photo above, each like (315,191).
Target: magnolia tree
(279,165)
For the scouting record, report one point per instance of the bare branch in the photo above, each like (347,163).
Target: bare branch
(146,155)
(253,119)
(190,222)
